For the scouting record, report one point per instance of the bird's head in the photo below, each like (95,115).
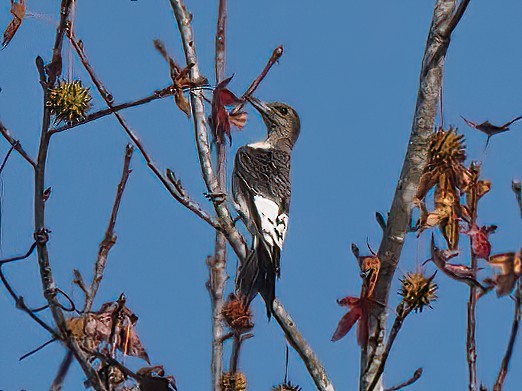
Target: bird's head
(281,120)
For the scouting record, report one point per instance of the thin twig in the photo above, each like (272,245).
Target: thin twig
(110,238)
(16,145)
(499,384)
(402,313)
(236,349)
(36,350)
(62,372)
(398,224)
(471,341)
(160,94)
(276,54)
(182,198)
(19,257)
(302,347)
(20,304)
(416,376)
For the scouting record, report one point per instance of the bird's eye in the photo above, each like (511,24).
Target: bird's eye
(283,110)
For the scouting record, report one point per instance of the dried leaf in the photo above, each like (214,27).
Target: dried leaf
(510,265)
(348,320)
(18,10)
(113,323)
(489,129)
(457,272)
(221,119)
(182,102)
(480,244)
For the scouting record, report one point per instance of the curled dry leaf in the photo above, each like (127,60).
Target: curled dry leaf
(510,265)
(113,323)
(457,272)
(180,78)
(18,10)
(446,172)
(489,129)
(221,118)
(359,307)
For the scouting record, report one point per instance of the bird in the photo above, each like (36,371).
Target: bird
(261,190)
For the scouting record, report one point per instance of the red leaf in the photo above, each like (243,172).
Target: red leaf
(221,120)
(349,301)
(480,240)
(346,323)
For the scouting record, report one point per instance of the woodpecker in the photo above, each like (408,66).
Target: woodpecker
(261,189)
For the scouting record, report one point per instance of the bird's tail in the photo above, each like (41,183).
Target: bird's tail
(257,274)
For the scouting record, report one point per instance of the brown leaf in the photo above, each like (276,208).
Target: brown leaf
(130,343)
(489,129)
(18,10)
(182,102)
(510,265)
(239,119)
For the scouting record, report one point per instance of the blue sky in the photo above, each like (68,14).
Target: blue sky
(351,70)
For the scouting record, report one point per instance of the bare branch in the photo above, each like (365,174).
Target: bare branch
(62,371)
(159,94)
(218,264)
(183,199)
(235,239)
(19,257)
(16,145)
(499,384)
(416,376)
(297,341)
(402,312)
(276,54)
(20,304)
(48,78)
(110,238)
(400,213)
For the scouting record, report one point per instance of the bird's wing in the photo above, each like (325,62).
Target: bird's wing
(262,186)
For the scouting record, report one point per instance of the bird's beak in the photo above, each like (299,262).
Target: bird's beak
(260,106)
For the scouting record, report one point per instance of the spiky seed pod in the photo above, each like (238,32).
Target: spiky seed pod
(446,148)
(287,387)
(69,102)
(237,314)
(233,382)
(418,291)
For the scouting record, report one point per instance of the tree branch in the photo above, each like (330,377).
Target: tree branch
(159,94)
(416,376)
(175,189)
(402,313)
(110,238)
(16,145)
(218,264)
(400,212)
(499,384)
(276,54)
(48,78)
(296,339)
(235,239)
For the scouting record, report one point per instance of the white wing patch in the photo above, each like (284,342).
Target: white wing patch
(273,224)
